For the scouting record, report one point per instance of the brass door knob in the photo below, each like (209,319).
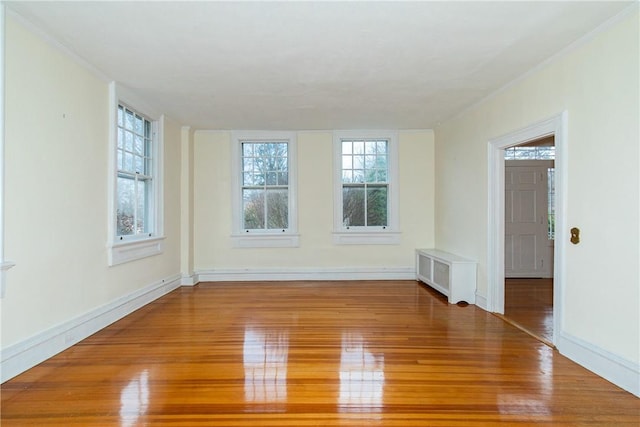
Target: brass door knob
(575,235)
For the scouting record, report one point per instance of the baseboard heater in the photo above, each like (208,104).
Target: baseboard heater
(450,274)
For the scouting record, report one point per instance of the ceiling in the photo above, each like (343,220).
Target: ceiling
(314,65)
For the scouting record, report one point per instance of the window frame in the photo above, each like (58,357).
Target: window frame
(366,235)
(122,249)
(263,238)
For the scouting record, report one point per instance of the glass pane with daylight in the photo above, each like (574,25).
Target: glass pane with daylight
(347,147)
(142,225)
(139,164)
(247,149)
(139,125)
(253,208)
(353,208)
(128,141)
(283,178)
(128,119)
(377,205)
(347,162)
(138,144)
(120,116)
(126,200)
(247,164)
(277,209)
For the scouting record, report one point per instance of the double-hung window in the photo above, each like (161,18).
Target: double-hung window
(135,189)
(264,207)
(134,164)
(365,187)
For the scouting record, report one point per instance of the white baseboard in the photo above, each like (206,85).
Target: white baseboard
(280,274)
(189,280)
(481,301)
(24,355)
(621,372)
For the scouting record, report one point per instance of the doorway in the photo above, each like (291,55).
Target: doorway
(529,237)
(495,299)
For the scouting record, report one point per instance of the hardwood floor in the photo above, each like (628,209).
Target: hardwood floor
(307,354)
(528,303)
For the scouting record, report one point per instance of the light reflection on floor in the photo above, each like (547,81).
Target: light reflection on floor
(361,376)
(134,400)
(265,366)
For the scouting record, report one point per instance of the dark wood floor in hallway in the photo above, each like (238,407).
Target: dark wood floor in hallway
(384,353)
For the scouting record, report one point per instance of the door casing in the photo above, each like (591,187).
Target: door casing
(556,126)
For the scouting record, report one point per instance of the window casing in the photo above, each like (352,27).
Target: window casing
(365,187)
(135,188)
(264,189)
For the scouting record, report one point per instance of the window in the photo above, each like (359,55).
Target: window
(134,166)
(365,195)
(135,226)
(540,152)
(264,191)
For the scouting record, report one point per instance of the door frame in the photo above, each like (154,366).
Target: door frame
(556,126)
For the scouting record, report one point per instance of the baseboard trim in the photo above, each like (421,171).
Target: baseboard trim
(26,354)
(366,273)
(613,368)
(189,280)
(481,301)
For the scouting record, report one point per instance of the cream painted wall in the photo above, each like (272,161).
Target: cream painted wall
(597,84)
(56,193)
(212,211)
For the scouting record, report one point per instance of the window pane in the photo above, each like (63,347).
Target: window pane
(347,147)
(120,138)
(377,205)
(347,162)
(126,206)
(139,164)
(283,178)
(139,127)
(358,176)
(128,119)
(253,208)
(247,164)
(353,208)
(128,141)
(272,178)
(347,176)
(138,145)
(358,147)
(277,209)
(142,214)
(369,161)
(120,116)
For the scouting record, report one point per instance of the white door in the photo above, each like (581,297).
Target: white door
(528,250)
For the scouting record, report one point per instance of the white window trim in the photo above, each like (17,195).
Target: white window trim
(242,238)
(389,235)
(120,250)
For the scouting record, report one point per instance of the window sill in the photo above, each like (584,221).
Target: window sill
(265,240)
(366,238)
(122,252)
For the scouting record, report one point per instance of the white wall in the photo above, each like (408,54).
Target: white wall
(212,195)
(597,84)
(56,195)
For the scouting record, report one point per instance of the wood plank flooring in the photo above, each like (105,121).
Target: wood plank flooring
(390,353)
(528,303)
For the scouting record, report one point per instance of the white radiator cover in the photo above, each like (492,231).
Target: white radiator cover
(450,274)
